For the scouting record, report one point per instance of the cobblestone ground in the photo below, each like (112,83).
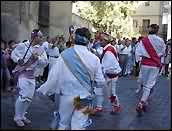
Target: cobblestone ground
(157,117)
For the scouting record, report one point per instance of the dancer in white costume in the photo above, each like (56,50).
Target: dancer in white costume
(111,70)
(129,66)
(137,67)
(151,49)
(53,53)
(97,49)
(77,67)
(28,58)
(38,73)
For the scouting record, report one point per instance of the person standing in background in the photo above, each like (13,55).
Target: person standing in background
(111,70)
(129,66)
(167,57)
(5,74)
(45,45)
(53,53)
(123,57)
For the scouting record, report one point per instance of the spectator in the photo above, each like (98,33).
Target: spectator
(10,64)
(133,44)
(45,45)
(61,44)
(5,74)
(129,66)
(113,42)
(53,53)
(68,44)
(123,56)
(167,60)
(137,60)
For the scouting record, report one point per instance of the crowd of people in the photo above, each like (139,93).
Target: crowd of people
(51,45)
(127,59)
(78,71)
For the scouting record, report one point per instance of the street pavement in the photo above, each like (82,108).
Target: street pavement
(157,117)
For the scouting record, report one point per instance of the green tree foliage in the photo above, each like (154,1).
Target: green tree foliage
(110,16)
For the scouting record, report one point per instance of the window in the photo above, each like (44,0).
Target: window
(165,10)
(147,3)
(146,23)
(135,23)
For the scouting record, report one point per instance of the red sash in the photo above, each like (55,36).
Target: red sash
(154,59)
(111,49)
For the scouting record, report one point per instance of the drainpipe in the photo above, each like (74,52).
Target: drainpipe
(20,10)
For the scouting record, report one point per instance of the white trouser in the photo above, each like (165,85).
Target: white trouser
(111,88)
(99,96)
(149,77)
(162,71)
(129,67)
(140,80)
(27,88)
(55,121)
(69,116)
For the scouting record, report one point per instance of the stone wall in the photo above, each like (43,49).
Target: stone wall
(18,18)
(60,18)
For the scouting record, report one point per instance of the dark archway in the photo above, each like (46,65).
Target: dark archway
(43,17)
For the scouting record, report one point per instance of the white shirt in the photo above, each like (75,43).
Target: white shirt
(157,43)
(137,57)
(120,47)
(53,51)
(45,45)
(53,55)
(60,78)
(110,63)
(20,50)
(129,50)
(41,65)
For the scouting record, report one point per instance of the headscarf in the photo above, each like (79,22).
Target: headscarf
(35,34)
(81,40)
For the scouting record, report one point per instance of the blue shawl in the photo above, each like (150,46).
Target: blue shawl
(78,69)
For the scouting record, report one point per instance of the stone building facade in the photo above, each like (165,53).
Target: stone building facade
(18,18)
(147,13)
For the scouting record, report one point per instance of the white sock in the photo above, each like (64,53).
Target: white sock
(19,109)
(99,100)
(145,95)
(25,106)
